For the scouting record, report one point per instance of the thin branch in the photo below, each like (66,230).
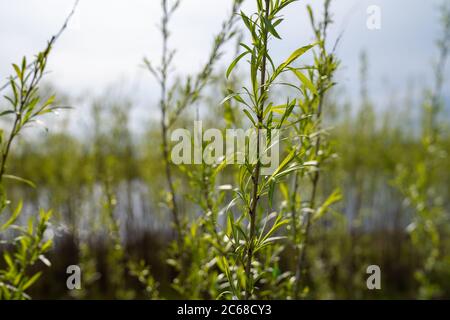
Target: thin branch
(257,170)
(52,41)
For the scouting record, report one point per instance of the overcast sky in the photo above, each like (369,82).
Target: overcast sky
(109,38)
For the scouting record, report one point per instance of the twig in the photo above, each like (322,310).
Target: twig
(52,41)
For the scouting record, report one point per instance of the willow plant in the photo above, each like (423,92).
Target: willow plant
(255,229)
(26,106)
(174,100)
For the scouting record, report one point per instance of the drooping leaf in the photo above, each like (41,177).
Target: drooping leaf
(15,178)
(235,62)
(333,198)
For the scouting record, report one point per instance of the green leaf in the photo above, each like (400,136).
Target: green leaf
(271,28)
(14,88)
(249,24)
(333,198)
(305,80)
(234,63)
(6,112)
(18,72)
(284,190)
(46,245)
(32,280)
(280,109)
(271,192)
(11,177)
(285,162)
(295,55)
(232,95)
(24,63)
(311,15)
(250,116)
(8,260)
(13,217)
(289,108)
(267,238)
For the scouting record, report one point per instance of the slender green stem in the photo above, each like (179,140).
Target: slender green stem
(257,170)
